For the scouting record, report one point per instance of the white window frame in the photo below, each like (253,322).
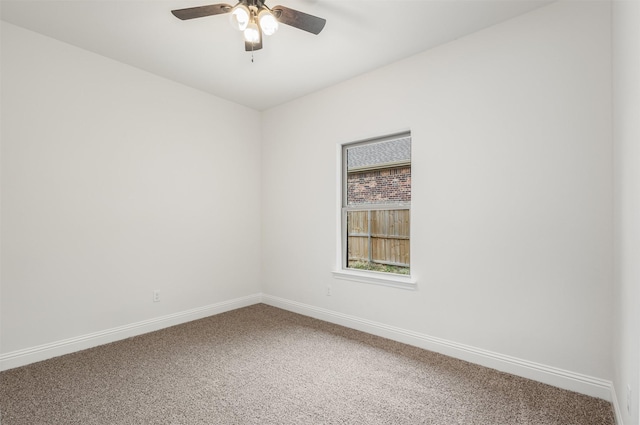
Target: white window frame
(365,276)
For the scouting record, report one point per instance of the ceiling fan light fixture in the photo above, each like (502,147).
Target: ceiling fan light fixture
(240,17)
(268,22)
(252,33)
(254,18)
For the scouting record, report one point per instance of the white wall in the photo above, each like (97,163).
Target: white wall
(116,182)
(512,189)
(626,130)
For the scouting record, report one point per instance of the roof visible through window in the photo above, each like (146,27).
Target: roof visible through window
(377,154)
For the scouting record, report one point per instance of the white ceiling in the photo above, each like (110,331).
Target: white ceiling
(207,54)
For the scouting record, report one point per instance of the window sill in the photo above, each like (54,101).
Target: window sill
(376,278)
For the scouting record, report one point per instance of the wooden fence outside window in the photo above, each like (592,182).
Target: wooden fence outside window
(379,236)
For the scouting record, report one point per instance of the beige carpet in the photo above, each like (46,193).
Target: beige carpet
(263,365)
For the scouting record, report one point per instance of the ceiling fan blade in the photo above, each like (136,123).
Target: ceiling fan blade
(299,20)
(201,11)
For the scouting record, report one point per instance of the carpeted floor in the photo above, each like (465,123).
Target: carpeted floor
(263,365)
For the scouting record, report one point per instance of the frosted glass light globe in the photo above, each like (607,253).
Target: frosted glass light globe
(268,22)
(240,17)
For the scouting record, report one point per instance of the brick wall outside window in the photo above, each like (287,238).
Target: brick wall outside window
(388,185)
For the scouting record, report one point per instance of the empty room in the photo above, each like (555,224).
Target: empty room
(320,212)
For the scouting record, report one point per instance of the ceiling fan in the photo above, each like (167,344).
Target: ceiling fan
(255,18)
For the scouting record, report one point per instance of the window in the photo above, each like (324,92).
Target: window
(376,208)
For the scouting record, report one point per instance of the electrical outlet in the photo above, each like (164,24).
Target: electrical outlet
(156,296)
(328,290)
(628,398)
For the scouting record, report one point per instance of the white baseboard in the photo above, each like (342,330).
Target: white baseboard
(616,406)
(46,351)
(561,378)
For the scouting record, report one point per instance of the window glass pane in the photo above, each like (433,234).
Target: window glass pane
(379,172)
(378,240)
